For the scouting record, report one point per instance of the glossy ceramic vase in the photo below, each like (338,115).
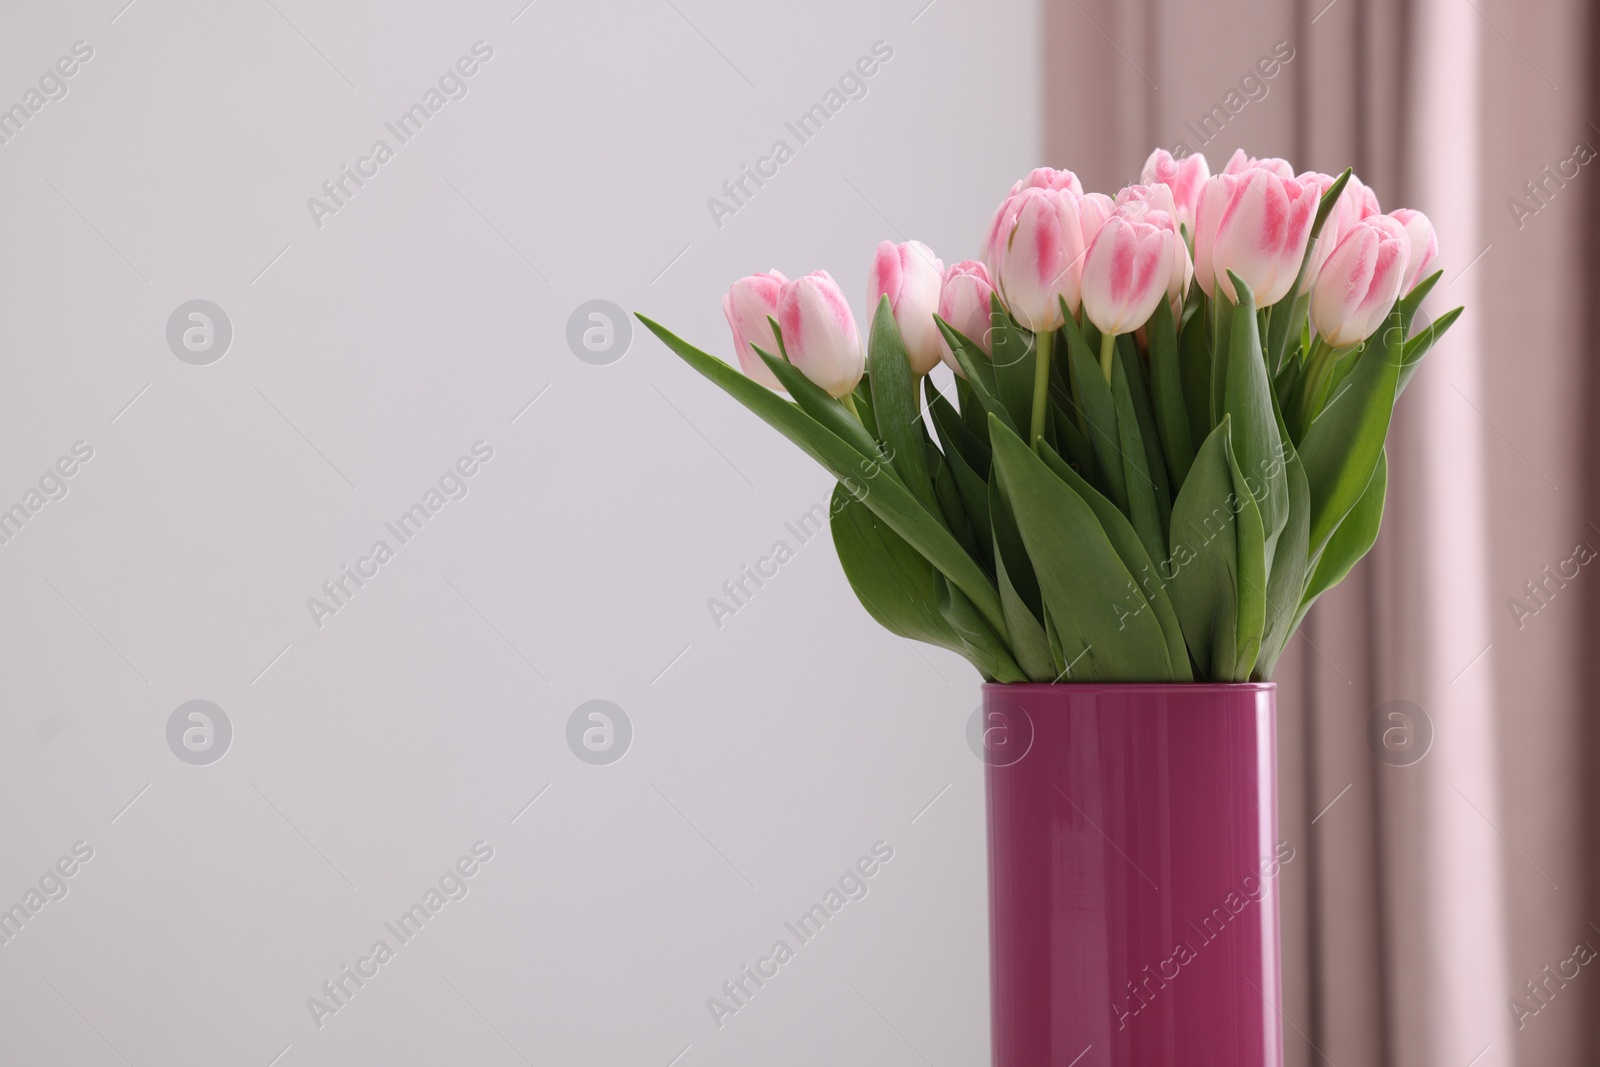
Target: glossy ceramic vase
(1134,861)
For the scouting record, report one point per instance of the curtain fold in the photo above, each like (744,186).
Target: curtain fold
(1426,896)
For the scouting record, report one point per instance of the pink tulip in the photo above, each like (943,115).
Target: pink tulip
(910,276)
(1355,203)
(820,333)
(1238,163)
(1040,257)
(749,306)
(1322,181)
(1256,224)
(1358,285)
(1126,272)
(1156,197)
(1424,245)
(1093,210)
(1155,204)
(964,304)
(1049,178)
(1000,227)
(1359,200)
(1328,239)
(1183,176)
(1001,224)
(1213,199)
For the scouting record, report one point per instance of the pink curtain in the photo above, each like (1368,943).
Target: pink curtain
(1430,894)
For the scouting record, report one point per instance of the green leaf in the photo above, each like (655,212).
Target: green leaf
(1141,488)
(1417,347)
(1407,306)
(1282,318)
(982,645)
(979,375)
(1010,549)
(975,501)
(887,498)
(815,401)
(1070,441)
(1205,555)
(1342,367)
(951,506)
(1254,560)
(894,403)
(1058,660)
(1341,448)
(973,417)
(954,433)
(1329,201)
(962,451)
(1081,578)
(1286,580)
(1020,597)
(1086,327)
(1166,388)
(863,402)
(1030,645)
(1145,412)
(1013,358)
(1286,384)
(1100,412)
(1149,589)
(1353,539)
(1222,315)
(894,583)
(1257,446)
(1194,368)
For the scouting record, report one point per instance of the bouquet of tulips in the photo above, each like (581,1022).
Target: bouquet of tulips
(1169,418)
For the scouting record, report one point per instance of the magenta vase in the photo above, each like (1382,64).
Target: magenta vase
(1133,875)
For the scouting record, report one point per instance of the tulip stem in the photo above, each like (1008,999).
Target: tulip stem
(849,402)
(1041,385)
(1318,366)
(1108,344)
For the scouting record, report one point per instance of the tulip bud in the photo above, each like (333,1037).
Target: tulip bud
(820,334)
(1006,215)
(1093,210)
(910,276)
(1359,201)
(1328,239)
(1255,224)
(750,306)
(1126,272)
(1358,285)
(1000,227)
(1423,242)
(1049,178)
(1040,259)
(1213,198)
(1154,203)
(964,302)
(1139,198)
(1355,203)
(1239,163)
(1184,177)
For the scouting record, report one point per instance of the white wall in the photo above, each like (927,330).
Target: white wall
(427,712)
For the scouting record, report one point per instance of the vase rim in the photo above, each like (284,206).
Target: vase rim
(1129,687)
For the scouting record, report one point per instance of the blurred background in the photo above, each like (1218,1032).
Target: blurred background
(246,345)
